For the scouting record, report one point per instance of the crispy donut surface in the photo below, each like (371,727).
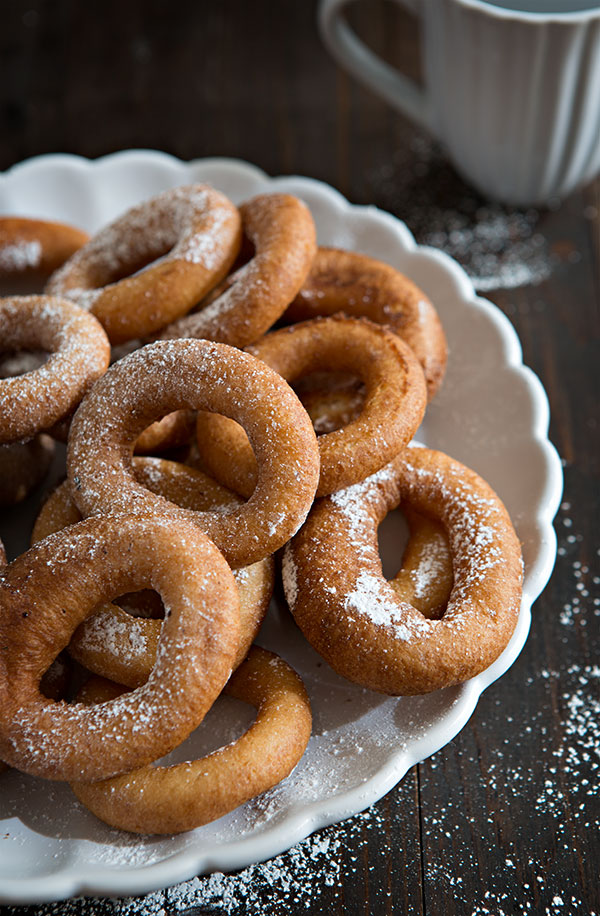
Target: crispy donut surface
(281,231)
(393,407)
(79,354)
(362,286)
(35,245)
(197,375)
(48,591)
(171,799)
(352,615)
(153,263)
(119,646)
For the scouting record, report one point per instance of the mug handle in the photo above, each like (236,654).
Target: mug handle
(401,92)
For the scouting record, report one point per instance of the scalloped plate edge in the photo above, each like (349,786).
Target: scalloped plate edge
(184,864)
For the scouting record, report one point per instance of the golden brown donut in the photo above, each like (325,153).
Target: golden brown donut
(49,590)
(122,647)
(198,375)
(393,408)
(36,246)
(79,354)
(353,617)
(153,263)
(171,799)
(281,232)
(23,465)
(345,281)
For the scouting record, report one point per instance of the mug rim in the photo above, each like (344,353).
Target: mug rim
(501,12)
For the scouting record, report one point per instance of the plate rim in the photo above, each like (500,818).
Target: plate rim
(183,864)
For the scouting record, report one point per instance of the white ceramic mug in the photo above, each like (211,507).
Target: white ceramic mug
(512,88)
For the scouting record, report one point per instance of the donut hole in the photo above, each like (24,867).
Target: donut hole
(224,452)
(246,253)
(133,258)
(392,536)
(169,433)
(416,560)
(226,720)
(56,680)
(25,284)
(14,363)
(145,603)
(331,399)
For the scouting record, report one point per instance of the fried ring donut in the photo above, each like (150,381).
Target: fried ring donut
(352,616)
(172,799)
(281,231)
(23,465)
(36,246)
(153,263)
(119,646)
(345,281)
(79,354)
(47,592)
(198,375)
(393,409)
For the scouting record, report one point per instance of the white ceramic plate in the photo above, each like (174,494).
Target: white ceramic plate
(491,413)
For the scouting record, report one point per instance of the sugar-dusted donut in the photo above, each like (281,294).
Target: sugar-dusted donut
(23,465)
(36,246)
(49,590)
(171,799)
(153,263)
(394,401)
(79,354)
(280,232)
(345,281)
(122,647)
(352,615)
(199,375)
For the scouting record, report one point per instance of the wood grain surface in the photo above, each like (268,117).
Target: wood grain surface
(504,820)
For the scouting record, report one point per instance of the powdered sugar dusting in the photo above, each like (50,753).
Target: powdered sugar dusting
(431,567)
(499,246)
(374,599)
(20,256)
(107,632)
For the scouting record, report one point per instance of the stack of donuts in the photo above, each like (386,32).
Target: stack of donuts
(208,453)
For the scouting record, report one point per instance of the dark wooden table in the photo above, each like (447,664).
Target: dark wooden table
(504,820)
